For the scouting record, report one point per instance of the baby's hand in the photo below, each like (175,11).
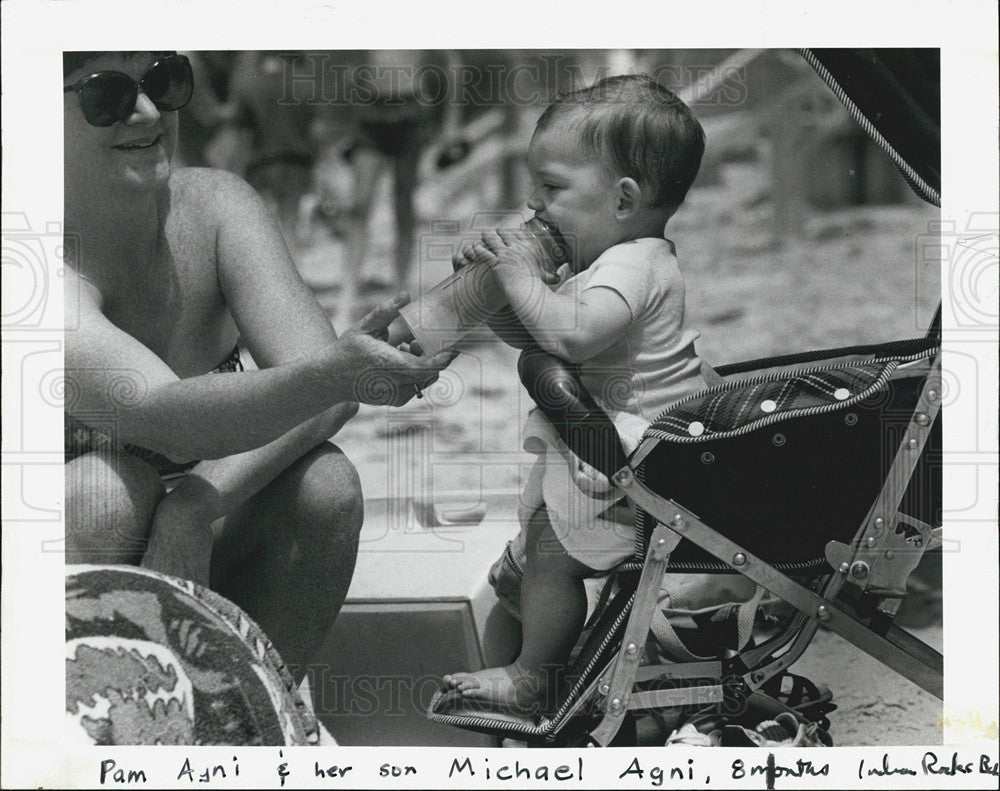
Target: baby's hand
(589,481)
(471,253)
(521,248)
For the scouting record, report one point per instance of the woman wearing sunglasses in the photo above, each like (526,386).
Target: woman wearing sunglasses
(166,270)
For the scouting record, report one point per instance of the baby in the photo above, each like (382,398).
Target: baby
(610,165)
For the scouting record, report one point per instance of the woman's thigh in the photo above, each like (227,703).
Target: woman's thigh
(110,502)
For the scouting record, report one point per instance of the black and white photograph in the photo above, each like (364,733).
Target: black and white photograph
(434,411)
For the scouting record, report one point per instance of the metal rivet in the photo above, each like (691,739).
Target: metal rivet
(870,541)
(850,418)
(707,458)
(696,429)
(778,440)
(859,570)
(921,419)
(844,568)
(768,406)
(918,543)
(888,554)
(932,395)
(757,677)
(591,744)
(616,705)
(822,613)
(631,649)
(739,559)
(912,444)
(879,523)
(661,543)
(841,393)
(622,476)
(678,519)
(605,689)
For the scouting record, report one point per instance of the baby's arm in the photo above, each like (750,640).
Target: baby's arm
(572,327)
(508,328)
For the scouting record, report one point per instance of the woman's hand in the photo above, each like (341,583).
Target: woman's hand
(384,375)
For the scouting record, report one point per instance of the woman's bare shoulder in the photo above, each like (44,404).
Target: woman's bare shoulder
(78,285)
(206,200)
(206,186)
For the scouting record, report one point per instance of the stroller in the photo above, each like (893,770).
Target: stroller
(817,476)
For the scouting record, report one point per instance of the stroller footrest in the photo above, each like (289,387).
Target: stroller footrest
(451,708)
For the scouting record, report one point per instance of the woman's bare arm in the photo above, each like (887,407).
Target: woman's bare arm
(306,368)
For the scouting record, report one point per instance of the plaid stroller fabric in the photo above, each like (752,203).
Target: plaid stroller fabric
(737,408)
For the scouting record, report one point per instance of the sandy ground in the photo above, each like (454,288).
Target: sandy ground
(857,275)
(875,705)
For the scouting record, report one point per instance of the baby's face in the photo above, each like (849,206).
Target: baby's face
(573,190)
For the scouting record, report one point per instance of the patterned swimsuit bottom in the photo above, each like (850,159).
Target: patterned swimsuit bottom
(82,437)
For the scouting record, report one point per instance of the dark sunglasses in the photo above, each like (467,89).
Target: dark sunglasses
(107,97)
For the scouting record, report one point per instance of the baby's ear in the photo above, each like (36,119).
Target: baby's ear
(628,197)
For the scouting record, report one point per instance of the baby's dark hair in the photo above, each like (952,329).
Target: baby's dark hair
(649,134)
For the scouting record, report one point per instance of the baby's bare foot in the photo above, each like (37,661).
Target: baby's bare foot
(510,688)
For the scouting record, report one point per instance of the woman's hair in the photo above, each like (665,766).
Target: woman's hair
(77,60)
(646,132)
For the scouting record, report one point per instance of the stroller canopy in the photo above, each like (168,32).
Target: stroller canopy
(894,94)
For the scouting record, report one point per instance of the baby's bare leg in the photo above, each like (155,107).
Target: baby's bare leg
(553,599)
(553,608)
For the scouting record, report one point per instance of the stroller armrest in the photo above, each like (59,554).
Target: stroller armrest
(586,429)
(902,348)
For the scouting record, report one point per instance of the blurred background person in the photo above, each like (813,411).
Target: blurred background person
(281,149)
(213,132)
(399,102)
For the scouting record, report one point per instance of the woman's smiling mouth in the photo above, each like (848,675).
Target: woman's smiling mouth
(138,145)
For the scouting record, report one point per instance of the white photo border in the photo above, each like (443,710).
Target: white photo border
(35,33)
